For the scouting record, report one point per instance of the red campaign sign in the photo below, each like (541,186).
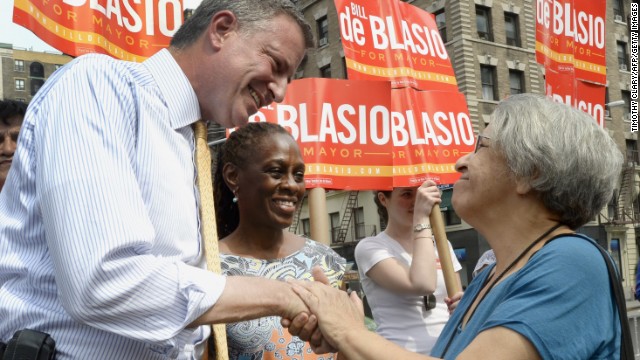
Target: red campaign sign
(432,130)
(361,135)
(394,41)
(570,37)
(585,96)
(125,29)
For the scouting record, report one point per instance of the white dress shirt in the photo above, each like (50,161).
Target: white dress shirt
(99,237)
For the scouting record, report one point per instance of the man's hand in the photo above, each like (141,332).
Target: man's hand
(337,312)
(305,326)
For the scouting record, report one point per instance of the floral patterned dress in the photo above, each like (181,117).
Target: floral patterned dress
(265,338)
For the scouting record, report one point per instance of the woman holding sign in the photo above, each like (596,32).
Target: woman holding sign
(540,171)
(259,184)
(400,269)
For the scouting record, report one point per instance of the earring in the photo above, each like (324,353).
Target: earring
(235,199)
(235,196)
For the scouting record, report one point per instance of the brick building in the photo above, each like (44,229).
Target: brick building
(24,71)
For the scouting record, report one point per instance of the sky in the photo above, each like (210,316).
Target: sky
(17,35)
(25,39)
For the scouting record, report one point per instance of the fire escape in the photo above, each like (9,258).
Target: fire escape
(352,201)
(296,217)
(624,206)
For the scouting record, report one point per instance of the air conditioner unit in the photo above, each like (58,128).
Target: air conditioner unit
(618,18)
(623,67)
(607,113)
(323,41)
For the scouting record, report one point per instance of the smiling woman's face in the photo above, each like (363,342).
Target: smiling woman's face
(271,186)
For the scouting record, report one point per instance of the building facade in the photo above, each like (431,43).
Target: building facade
(491,44)
(23,72)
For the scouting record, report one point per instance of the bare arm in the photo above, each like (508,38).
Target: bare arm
(420,277)
(499,343)
(340,319)
(495,344)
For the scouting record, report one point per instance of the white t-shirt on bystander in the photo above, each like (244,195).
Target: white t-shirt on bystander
(402,318)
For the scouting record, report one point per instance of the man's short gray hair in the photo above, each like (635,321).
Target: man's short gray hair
(252,15)
(572,163)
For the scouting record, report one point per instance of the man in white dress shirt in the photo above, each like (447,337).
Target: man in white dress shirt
(99,229)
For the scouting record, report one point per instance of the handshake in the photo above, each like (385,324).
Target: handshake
(321,314)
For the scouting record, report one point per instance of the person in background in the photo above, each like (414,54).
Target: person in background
(100,243)
(11,117)
(540,170)
(400,269)
(259,185)
(487,258)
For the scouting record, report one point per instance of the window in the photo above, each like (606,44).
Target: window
(306,227)
(334,218)
(488,78)
(516,82)
(441,22)
(626,96)
(450,217)
(18,65)
(632,150)
(623,57)
(323,31)
(618,10)
(360,228)
(36,84)
(344,66)
(20,85)
(325,71)
(483,23)
(36,70)
(512,29)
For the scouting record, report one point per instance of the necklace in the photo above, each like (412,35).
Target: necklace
(498,278)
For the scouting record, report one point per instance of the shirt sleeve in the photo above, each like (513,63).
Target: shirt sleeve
(369,252)
(97,227)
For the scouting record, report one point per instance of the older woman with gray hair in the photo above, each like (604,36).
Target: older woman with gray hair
(540,170)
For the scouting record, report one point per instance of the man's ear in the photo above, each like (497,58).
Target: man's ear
(223,24)
(230,175)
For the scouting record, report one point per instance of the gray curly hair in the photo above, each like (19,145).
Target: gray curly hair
(570,161)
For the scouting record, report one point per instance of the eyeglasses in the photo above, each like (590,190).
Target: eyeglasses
(479,142)
(429,302)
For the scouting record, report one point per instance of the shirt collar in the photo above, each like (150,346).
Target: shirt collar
(176,89)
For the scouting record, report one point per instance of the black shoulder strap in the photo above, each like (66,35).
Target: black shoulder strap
(626,346)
